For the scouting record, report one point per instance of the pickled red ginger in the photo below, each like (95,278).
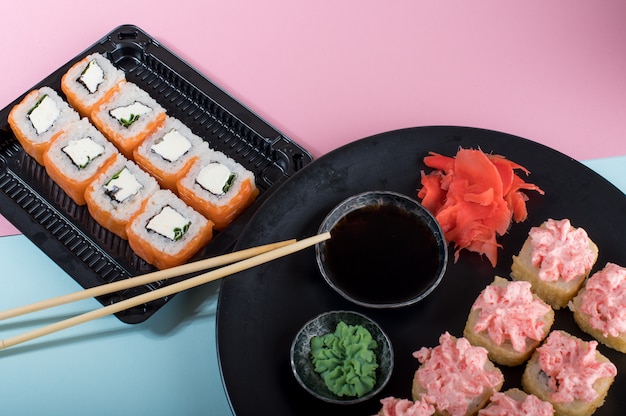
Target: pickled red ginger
(474,197)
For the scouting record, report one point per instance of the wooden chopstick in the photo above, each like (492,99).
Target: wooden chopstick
(167,290)
(143,279)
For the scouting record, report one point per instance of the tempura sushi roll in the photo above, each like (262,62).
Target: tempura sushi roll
(88,82)
(127,117)
(166,232)
(570,373)
(76,156)
(218,187)
(168,152)
(38,118)
(117,193)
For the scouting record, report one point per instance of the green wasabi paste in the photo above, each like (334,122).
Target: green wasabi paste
(346,360)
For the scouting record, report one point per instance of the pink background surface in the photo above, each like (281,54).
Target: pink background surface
(328,73)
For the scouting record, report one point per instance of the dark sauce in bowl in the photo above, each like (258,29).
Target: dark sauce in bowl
(384,255)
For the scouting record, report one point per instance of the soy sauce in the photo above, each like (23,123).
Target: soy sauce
(381,254)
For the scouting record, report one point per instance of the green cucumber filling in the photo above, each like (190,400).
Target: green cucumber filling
(229,183)
(179,232)
(126,122)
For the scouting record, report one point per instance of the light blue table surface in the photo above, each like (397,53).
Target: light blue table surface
(166,365)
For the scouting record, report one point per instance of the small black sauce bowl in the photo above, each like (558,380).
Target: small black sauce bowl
(359,269)
(302,364)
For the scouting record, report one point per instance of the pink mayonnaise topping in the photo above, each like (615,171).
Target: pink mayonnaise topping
(560,250)
(453,374)
(503,405)
(404,407)
(510,312)
(604,300)
(572,368)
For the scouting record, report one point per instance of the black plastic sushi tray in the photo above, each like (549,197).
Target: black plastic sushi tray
(92,255)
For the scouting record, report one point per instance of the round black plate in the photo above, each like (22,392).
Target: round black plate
(260,310)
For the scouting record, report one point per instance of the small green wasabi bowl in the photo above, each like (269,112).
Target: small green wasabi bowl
(302,363)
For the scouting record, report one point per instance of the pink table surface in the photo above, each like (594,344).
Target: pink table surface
(328,73)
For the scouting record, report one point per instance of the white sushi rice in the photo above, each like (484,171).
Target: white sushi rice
(153,207)
(129,202)
(50,120)
(182,145)
(92,85)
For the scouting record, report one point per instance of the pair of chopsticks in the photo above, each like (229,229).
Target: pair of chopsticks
(234,263)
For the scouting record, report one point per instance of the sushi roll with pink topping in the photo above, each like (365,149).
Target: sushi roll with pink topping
(569,373)
(556,258)
(455,377)
(392,406)
(600,306)
(509,321)
(515,402)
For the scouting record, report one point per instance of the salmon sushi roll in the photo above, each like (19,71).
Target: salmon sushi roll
(169,152)
(166,232)
(117,193)
(218,187)
(88,82)
(76,157)
(38,118)
(127,117)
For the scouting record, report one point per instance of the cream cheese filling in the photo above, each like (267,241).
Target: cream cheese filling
(92,76)
(169,223)
(215,178)
(171,146)
(122,185)
(128,114)
(83,151)
(43,114)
